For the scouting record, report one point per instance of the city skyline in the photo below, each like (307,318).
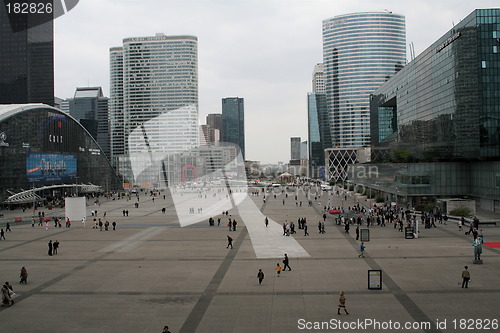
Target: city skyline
(260,56)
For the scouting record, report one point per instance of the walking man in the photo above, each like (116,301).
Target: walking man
(465,277)
(285,263)
(55,246)
(305,230)
(229,242)
(2,234)
(266,221)
(260,276)
(50,247)
(7,227)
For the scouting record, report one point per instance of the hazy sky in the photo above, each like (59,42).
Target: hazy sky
(261,50)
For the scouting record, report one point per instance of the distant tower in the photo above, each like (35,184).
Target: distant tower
(318,79)
(90,108)
(26,57)
(295,148)
(233,122)
(360,52)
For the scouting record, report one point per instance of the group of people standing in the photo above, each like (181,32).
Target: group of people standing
(53,247)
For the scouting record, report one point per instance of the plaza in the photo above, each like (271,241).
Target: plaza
(151,272)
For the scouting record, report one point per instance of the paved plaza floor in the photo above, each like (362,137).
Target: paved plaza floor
(151,272)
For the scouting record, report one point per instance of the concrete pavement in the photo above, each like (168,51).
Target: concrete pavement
(152,272)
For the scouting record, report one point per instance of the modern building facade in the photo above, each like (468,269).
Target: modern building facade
(233,122)
(295,148)
(154,96)
(443,111)
(26,58)
(360,52)
(319,137)
(42,146)
(89,107)
(318,79)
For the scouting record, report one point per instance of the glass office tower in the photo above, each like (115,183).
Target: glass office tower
(360,52)
(443,111)
(26,58)
(318,130)
(233,122)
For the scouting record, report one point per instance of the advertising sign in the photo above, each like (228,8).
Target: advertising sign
(375,279)
(50,168)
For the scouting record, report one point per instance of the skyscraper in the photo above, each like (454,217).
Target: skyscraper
(318,79)
(26,57)
(90,108)
(295,148)
(154,98)
(233,122)
(360,52)
(319,137)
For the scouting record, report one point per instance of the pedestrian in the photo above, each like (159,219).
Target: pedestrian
(55,246)
(7,227)
(24,275)
(229,242)
(266,221)
(465,277)
(50,247)
(478,249)
(2,234)
(357,232)
(285,263)
(234,225)
(260,276)
(362,250)
(7,294)
(106,225)
(460,223)
(342,300)
(305,229)
(114,225)
(100,225)
(165,330)
(278,269)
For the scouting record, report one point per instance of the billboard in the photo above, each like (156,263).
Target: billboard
(50,168)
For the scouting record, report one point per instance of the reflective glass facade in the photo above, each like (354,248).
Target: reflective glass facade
(41,145)
(233,122)
(90,108)
(360,52)
(318,131)
(26,58)
(445,104)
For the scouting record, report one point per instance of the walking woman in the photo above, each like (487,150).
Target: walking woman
(342,300)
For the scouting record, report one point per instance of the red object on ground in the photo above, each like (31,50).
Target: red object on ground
(335,211)
(492,244)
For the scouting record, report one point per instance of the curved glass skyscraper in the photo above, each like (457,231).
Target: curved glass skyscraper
(360,52)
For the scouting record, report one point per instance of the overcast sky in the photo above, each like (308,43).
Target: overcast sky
(261,50)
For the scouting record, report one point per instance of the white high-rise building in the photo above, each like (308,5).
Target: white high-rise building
(318,79)
(360,52)
(154,101)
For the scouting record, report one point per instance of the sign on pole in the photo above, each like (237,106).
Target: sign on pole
(374,279)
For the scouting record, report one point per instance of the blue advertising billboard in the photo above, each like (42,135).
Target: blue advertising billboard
(50,168)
